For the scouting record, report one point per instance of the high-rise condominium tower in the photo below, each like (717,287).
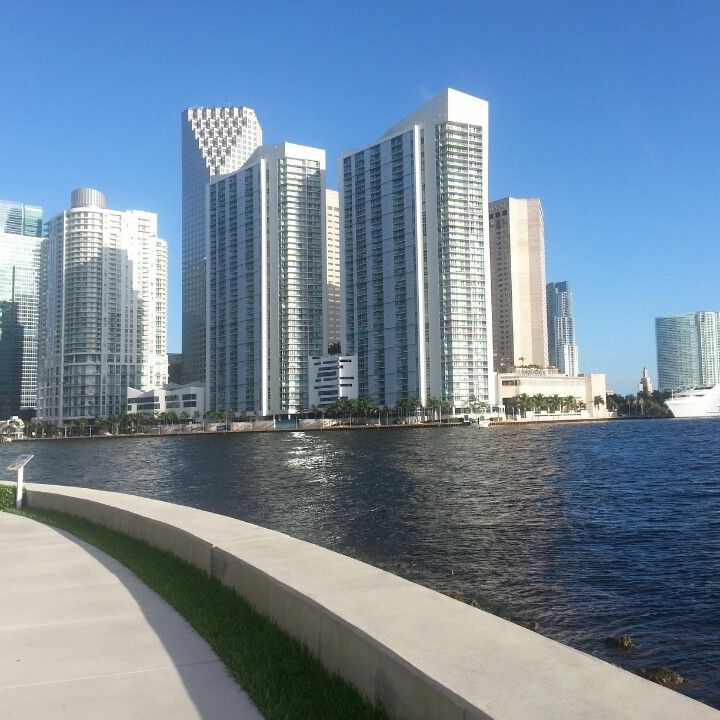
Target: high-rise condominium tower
(562,350)
(20,240)
(266,280)
(517,262)
(688,350)
(414,256)
(332,265)
(215,141)
(103,323)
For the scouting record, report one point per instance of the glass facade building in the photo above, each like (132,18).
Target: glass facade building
(20,243)
(688,350)
(414,257)
(103,324)
(562,348)
(266,291)
(215,141)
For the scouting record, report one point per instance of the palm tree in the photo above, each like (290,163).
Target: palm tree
(433,403)
(524,403)
(598,400)
(539,402)
(570,403)
(473,403)
(554,403)
(345,408)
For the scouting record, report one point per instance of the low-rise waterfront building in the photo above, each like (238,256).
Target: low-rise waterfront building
(12,429)
(546,394)
(170,397)
(332,377)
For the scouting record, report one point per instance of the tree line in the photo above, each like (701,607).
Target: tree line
(342,409)
(642,404)
(549,403)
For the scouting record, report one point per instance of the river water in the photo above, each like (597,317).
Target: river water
(582,531)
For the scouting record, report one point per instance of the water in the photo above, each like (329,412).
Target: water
(586,531)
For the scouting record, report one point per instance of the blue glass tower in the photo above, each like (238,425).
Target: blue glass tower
(20,243)
(562,349)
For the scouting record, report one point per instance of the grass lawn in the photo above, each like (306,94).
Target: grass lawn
(280,675)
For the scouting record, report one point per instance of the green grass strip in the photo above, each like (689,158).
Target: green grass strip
(280,675)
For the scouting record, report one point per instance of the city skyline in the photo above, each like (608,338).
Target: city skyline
(592,130)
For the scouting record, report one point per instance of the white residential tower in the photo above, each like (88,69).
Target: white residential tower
(415,258)
(103,319)
(266,280)
(215,141)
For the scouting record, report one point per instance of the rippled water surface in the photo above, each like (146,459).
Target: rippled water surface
(586,530)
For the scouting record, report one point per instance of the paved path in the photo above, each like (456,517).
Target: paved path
(82,637)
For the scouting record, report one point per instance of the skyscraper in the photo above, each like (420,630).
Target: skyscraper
(688,350)
(20,241)
(517,263)
(332,265)
(562,349)
(266,280)
(215,141)
(414,257)
(103,314)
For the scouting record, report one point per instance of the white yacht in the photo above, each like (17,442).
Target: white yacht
(696,402)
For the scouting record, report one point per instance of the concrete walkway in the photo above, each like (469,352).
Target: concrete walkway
(82,637)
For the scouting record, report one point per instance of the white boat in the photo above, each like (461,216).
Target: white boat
(699,402)
(467,420)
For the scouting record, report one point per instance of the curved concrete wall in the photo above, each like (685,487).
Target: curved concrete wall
(418,653)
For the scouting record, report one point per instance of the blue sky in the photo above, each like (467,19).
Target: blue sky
(607,111)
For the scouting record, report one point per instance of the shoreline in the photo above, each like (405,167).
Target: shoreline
(334,428)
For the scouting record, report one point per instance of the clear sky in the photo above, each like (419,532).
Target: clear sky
(607,111)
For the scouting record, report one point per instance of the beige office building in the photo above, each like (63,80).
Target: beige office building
(517,264)
(547,393)
(332,265)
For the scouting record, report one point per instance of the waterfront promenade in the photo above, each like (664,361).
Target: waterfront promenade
(82,637)
(420,654)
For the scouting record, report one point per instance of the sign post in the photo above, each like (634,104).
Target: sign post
(18,464)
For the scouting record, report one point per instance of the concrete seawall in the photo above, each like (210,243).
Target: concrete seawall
(415,651)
